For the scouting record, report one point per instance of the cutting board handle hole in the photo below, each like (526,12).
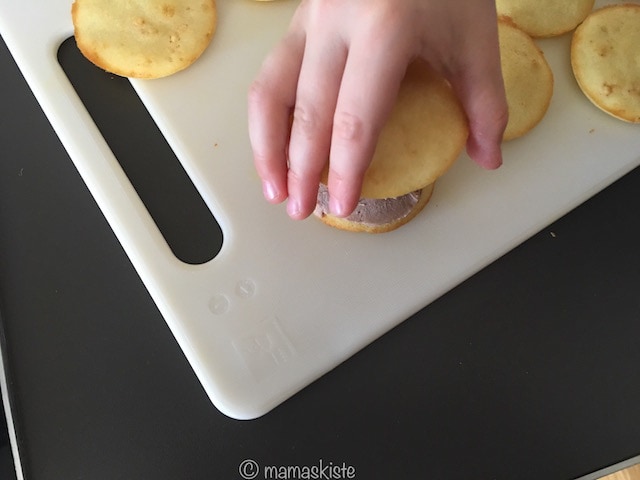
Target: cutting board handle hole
(173,202)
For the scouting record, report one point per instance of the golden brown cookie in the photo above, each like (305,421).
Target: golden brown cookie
(545,18)
(605,58)
(143,38)
(422,138)
(528,79)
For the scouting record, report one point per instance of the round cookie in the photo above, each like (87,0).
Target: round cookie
(528,79)
(143,38)
(424,135)
(605,58)
(545,18)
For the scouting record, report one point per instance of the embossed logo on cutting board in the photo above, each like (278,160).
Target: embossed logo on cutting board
(265,349)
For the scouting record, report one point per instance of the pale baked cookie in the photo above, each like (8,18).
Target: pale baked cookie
(143,38)
(528,79)
(605,58)
(545,18)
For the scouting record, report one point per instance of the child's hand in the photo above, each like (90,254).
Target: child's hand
(338,69)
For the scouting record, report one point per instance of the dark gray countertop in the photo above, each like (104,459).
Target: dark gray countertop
(530,369)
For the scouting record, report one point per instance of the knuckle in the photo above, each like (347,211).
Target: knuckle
(492,115)
(302,178)
(348,127)
(320,8)
(384,17)
(495,121)
(338,178)
(502,116)
(258,92)
(296,176)
(264,164)
(306,119)
(304,171)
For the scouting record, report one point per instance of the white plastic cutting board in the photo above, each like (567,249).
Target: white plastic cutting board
(284,302)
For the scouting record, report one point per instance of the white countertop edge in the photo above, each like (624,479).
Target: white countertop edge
(9,416)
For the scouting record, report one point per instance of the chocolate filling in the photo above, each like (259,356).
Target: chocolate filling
(372,211)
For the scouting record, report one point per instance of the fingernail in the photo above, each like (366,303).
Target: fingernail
(293,208)
(269,190)
(335,207)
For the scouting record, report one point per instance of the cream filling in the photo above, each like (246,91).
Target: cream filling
(372,211)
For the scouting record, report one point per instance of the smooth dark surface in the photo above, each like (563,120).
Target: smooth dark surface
(172,200)
(529,370)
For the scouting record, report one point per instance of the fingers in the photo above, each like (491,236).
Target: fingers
(488,117)
(485,105)
(271,99)
(480,87)
(310,141)
(327,89)
(341,105)
(368,91)
(340,95)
